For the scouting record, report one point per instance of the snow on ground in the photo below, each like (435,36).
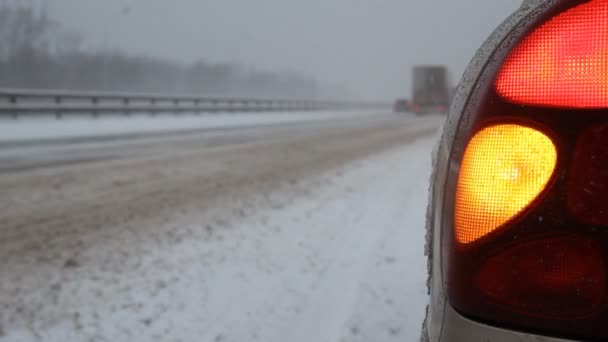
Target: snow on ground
(46,127)
(339,260)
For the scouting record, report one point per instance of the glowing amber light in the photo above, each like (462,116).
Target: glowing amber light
(563,63)
(505,167)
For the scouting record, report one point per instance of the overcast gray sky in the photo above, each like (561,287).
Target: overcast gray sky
(367,46)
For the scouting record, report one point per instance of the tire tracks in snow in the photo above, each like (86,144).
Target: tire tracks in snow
(139,248)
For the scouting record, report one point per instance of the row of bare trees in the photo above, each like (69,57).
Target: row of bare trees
(38,52)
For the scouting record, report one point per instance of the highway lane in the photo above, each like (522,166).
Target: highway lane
(32,154)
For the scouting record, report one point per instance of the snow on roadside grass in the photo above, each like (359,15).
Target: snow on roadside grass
(392,293)
(46,127)
(345,265)
(339,258)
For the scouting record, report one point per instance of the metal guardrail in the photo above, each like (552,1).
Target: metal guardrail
(18,102)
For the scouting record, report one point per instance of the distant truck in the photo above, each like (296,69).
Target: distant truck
(401,105)
(431,91)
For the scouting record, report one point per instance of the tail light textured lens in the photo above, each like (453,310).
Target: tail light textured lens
(588,181)
(505,167)
(563,63)
(553,277)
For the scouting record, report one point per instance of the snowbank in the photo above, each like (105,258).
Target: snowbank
(33,128)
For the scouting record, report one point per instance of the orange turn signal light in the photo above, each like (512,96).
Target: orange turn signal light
(505,167)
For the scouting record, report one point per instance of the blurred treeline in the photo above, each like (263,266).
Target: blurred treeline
(38,52)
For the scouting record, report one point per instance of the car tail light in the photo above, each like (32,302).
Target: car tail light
(567,271)
(525,211)
(588,181)
(562,63)
(504,168)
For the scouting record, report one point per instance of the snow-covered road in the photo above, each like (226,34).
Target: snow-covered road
(325,245)
(129,139)
(47,128)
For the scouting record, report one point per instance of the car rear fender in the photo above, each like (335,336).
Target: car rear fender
(471,77)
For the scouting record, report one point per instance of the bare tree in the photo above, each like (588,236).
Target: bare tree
(37,52)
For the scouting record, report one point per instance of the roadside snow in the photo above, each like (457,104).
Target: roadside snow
(340,259)
(46,127)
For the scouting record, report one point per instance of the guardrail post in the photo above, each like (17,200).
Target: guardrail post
(125,103)
(175,106)
(215,105)
(13,100)
(152,104)
(58,113)
(95,112)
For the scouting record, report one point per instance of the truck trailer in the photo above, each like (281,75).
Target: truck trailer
(431,90)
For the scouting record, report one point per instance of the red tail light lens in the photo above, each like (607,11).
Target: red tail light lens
(563,63)
(588,181)
(568,271)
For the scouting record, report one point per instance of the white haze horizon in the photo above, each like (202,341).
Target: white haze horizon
(366,47)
